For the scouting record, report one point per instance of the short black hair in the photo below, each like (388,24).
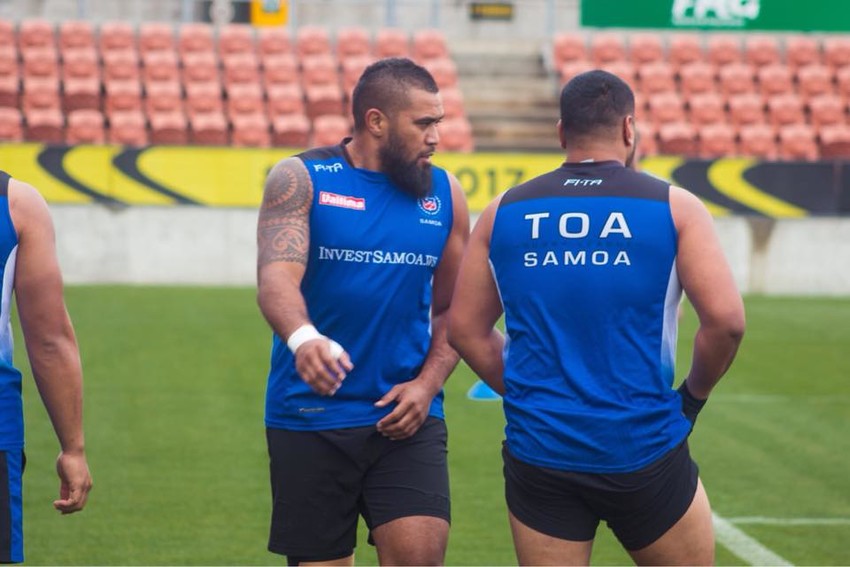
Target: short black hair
(384,85)
(593,102)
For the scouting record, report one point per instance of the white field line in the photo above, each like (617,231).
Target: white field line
(743,546)
(765,521)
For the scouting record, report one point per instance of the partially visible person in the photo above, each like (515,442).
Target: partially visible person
(589,262)
(358,250)
(30,269)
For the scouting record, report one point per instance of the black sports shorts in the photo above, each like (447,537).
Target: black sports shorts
(322,480)
(639,507)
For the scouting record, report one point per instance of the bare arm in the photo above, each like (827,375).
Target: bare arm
(707,280)
(283,244)
(476,307)
(50,341)
(412,407)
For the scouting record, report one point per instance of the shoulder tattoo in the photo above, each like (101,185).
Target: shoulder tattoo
(283,233)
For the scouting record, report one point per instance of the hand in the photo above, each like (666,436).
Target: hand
(318,367)
(413,399)
(691,406)
(75,482)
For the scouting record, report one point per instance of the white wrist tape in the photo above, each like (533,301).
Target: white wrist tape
(336,348)
(301,335)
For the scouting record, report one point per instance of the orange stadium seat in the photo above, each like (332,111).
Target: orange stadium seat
(128,129)
(7,34)
(647,140)
(774,79)
(116,36)
(697,77)
(319,70)
(352,41)
(281,69)
(123,96)
(716,141)
(10,77)
(723,49)
(684,49)
(640,105)
(291,130)
(834,141)
(797,142)
(85,126)
(826,110)
(75,35)
(329,130)
(195,37)
(352,69)
(456,135)
(163,97)
(706,108)
(666,107)
(623,69)
(204,98)
(606,47)
(814,80)
(645,48)
(168,128)
(746,108)
(836,51)
(429,44)
(656,77)
(802,50)
(245,98)
(121,65)
(11,125)
(785,109)
(443,70)
(312,40)
(200,67)
(453,102)
(677,138)
(758,140)
(285,99)
(160,66)
(250,130)
(209,128)
(41,63)
(572,68)
(236,38)
(156,36)
(45,125)
(81,84)
(568,47)
(736,78)
(761,50)
(40,95)
(391,42)
(36,33)
(272,42)
(323,99)
(241,68)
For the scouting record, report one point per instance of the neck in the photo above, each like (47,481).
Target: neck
(363,153)
(575,155)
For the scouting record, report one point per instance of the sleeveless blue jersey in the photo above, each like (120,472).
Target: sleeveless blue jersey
(11,408)
(584,259)
(373,251)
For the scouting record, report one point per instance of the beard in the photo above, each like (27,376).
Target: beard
(409,176)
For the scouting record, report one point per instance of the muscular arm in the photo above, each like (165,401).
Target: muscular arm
(476,307)
(707,280)
(50,340)
(283,243)
(412,406)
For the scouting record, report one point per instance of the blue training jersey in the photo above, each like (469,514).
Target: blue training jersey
(584,259)
(11,407)
(373,252)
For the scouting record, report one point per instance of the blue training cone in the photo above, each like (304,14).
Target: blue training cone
(482,392)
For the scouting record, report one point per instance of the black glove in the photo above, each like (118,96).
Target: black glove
(690,405)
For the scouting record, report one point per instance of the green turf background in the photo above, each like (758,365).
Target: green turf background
(174,385)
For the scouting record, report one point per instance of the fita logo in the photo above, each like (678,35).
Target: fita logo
(429,205)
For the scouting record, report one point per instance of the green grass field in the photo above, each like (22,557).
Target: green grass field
(174,385)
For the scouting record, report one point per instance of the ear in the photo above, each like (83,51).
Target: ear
(561,136)
(629,131)
(376,122)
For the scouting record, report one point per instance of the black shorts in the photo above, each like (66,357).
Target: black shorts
(322,480)
(639,507)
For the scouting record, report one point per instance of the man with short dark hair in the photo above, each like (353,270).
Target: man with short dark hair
(30,268)
(588,263)
(359,247)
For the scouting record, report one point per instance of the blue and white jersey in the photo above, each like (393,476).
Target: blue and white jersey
(11,407)
(584,259)
(373,252)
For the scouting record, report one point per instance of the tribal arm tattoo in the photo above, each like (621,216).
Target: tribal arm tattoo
(283,232)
